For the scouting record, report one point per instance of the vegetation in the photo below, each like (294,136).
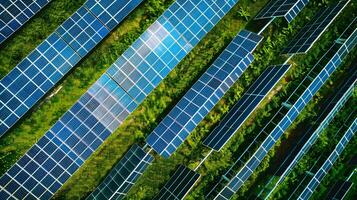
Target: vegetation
(16,142)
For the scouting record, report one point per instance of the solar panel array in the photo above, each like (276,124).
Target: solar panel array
(244,107)
(124,175)
(321,173)
(42,69)
(14,14)
(179,184)
(310,33)
(278,128)
(288,9)
(81,130)
(330,110)
(204,94)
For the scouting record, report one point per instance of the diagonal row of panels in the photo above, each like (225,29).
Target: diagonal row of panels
(44,67)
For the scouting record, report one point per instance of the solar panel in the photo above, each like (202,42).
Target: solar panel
(288,9)
(81,130)
(204,94)
(39,72)
(330,110)
(124,175)
(283,123)
(14,14)
(309,34)
(244,107)
(322,172)
(179,184)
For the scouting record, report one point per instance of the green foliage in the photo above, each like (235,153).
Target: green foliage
(243,13)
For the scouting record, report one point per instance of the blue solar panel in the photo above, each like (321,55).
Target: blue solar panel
(124,175)
(310,33)
(34,76)
(283,124)
(244,107)
(204,94)
(15,13)
(321,173)
(288,9)
(81,130)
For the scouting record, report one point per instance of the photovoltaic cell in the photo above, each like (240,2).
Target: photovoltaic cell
(288,9)
(309,34)
(81,130)
(124,175)
(283,124)
(204,94)
(322,172)
(15,13)
(179,184)
(39,72)
(244,107)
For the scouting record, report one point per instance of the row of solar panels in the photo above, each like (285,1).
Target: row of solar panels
(44,67)
(102,109)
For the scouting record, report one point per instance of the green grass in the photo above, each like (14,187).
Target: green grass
(15,143)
